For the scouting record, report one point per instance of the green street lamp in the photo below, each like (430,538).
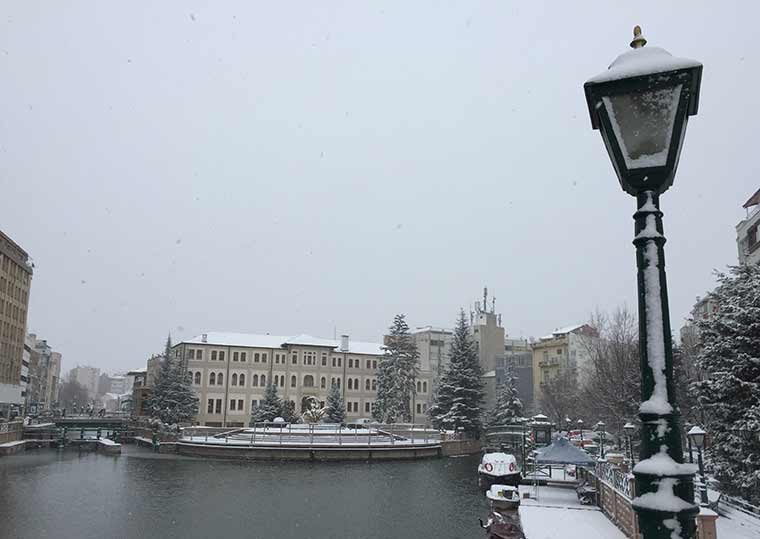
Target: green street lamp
(629,429)
(697,437)
(641,105)
(600,429)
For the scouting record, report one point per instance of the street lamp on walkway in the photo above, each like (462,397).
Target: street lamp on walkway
(580,427)
(641,105)
(629,429)
(600,429)
(697,437)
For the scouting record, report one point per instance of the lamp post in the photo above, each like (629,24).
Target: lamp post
(580,427)
(600,429)
(629,428)
(568,421)
(697,436)
(641,106)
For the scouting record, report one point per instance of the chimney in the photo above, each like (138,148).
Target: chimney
(204,337)
(344,343)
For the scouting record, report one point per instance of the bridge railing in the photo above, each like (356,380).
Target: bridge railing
(11,431)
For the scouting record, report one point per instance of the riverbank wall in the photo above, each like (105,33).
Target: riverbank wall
(317,454)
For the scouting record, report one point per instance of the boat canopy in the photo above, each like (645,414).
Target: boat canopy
(563,452)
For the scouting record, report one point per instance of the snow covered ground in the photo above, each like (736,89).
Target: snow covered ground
(558,513)
(734,524)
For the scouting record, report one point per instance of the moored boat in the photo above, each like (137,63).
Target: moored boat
(498,469)
(503,498)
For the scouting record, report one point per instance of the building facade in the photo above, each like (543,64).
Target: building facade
(563,352)
(433,345)
(87,377)
(45,375)
(230,372)
(518,355)
(748,232)
(15,281)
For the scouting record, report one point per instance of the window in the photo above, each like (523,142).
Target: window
(559,351)
(356,406)
(340,362)
(242,357)
(419,387)
(323,382)
(348,406)
(263,380)
(374,385)
(220,379)
(213,355)
(221,355)
(366,407)
(199,354)
(197,378)
(242,380)
(332,382)
(338,383)
(263,357)
(218,406)
(254,403)
(333,361)
(191,354)
(350,383)
(256,357)
(293,381)
(255,380)
(210,409)
(324,360)
(276,380)
(235,356)
(350,363)
(419,408)
(308,381)
(374,364)
(294,358)
(366,384)
(240,405)
(424,387)
(212,379)
(234,379)
(233,404)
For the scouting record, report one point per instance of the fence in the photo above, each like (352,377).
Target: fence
(615,490)
(11,432)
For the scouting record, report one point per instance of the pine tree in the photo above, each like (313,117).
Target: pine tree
(336,407)
(730,394)
(508,407)
(173,399)
(397,372)
(460,394)
(269,408)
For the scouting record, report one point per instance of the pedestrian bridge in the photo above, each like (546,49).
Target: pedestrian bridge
(87,422)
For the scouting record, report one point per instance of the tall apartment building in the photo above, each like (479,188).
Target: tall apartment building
(518,354)
(15,280)
(45,374)
(87,377)
(230,372)
(559,353)
(433,345)
(748,232)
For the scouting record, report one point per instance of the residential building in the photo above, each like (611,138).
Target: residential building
(562,352)
(26,379)
(15,281)
(230,372)
(87,377)
(488,334)
(140,392)
(45,374)
(433,345)
(748,232)
(518,354)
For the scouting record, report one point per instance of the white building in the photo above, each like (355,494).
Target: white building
(230,372)
(87,377)
(747,233)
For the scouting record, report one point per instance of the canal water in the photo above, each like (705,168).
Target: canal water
(46,493)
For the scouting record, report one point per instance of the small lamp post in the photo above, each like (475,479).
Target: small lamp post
(629,429)
(568,422)
(697,437)
(580,427)
(600,429)
(641,105)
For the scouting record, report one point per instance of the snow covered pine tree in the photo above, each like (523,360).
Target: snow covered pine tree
(397,373)
(173,400)
(508,406)
(269,408)
(730,394)
(460,393)
(336,407)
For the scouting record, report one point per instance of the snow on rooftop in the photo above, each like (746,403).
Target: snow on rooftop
(643,61)
(278,341)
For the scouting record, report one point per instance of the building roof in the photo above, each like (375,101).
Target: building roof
(273,341)
(425,329)
(564,331)
(754,200)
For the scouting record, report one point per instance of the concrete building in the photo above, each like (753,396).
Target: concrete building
(140,392)
(433,345)
(87,377)
(565,350)
(15,281)
(45,375)
(748,233)
(230,372)
(518,354)
(488,334)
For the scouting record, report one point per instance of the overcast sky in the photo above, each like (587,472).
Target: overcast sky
(306,166)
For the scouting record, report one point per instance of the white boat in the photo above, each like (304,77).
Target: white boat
(503,497)
(498,469)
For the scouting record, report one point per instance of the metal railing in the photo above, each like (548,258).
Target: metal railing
(615,478)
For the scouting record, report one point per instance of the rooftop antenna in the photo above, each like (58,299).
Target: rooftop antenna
(493,305)
(485,298)
(499,319)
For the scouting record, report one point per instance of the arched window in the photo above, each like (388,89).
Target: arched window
(419,387)
(263,379)
(350,383)
(338,383)
(374,385)
(212,379)
(197,378)
(255,380)
(308,381)
(293,381)
(332,382)
(350,364)
(366,384)
(424,387)
(220,379)
(242,380)
(234,379)
(323,382)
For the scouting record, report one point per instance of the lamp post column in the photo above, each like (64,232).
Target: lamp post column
(664,485)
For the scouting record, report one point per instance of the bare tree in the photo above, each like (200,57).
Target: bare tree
(559,395)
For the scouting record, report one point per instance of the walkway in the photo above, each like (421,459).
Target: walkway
(558,513)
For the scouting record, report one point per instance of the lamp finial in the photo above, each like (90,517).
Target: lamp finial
(638,40)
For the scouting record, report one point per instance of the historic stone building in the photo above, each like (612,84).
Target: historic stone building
(230,372)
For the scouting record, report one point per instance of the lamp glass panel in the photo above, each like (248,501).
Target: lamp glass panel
(698,439)
(643,123)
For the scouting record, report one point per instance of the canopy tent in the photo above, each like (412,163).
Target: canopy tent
(563,452)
